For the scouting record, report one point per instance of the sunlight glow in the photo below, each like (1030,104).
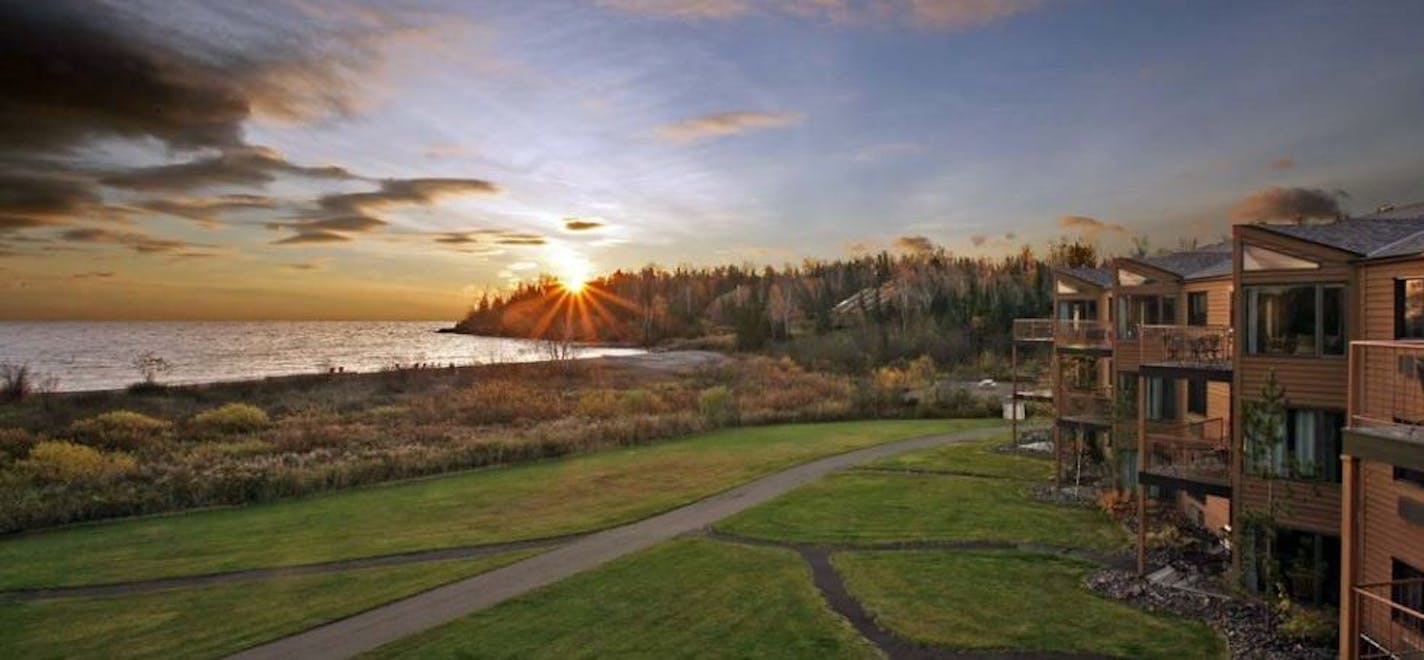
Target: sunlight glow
(572,269)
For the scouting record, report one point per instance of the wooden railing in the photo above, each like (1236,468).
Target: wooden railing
(1033,329)
(1068,332)
(1084,404)
(1387,387)
(1388,629)
(1191,346)
(1197,451)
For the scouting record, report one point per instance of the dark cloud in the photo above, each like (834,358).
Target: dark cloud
(457,239)
(344,223)
(1296,204)
(316,236)
(914,244)
(206,211)
(1090,228)
(94,275)
(246,166)
(978,240)
(39,201)
(137,241)
(520,239)
(576,224)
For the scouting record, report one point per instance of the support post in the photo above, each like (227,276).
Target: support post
(1349,557)
(1142,461)
(1014,391)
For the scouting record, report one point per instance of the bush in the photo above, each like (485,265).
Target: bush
(16,443)
(1304,624)
(233,418)
(16,382)
(66,462)
(716,406)
(599,404)
(120,429)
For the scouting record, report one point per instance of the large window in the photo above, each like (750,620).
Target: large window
(1134,310)
(1196,308)
(1077,310)
(1409,308)
(1161,398)
(1311,451)
(1306,320)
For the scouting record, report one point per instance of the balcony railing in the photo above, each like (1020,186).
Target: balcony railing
(1387,388)
(1083,334)
(1195,451)
(1388,629)
(1086,406)
(1187,346)
(1033,329)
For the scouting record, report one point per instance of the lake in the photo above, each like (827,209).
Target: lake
(89,355)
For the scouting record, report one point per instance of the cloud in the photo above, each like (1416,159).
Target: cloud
(682,9)
(94,275)
(1283,163)
(520,239)
(1090,228)
(313,236)
(244,166)
(722,124)
(1276,203)
(137,241)
(577,224)
(305,266)
(931,14)
(445,150)
(978,240)
(44,201)
(206,211)
(914,244)
(360,212)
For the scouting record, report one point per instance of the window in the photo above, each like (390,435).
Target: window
(1196,396)
(1259,258)
(1305,321)
(1077,310)
(1409,308)
(1409,475)
(1161,398)
(1311,451)
(1134,311)
(1196,308)
(1410,594)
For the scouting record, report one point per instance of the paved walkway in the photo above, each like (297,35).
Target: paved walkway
(373,628)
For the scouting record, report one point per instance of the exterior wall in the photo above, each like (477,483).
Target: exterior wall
(1304,505)
(1386,535)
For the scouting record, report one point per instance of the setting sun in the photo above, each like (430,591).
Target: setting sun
(571,268)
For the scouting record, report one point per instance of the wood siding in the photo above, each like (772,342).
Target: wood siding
(1308,382)
(1376,300)
(1386,535)
(1301,505)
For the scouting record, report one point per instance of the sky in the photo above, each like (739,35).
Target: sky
(344,160)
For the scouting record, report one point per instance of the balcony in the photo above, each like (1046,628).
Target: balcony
(1085,407)
(1033,329)
(1188,348)
(1196,455)
(1387,390)
(1079,334)
(1388,629)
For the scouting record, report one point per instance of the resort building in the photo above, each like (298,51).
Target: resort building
(1272,391)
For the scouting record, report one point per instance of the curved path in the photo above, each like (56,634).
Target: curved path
(366,631)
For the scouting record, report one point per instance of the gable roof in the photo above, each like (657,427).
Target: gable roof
(1102,277)
(1207,261)
(1389,233)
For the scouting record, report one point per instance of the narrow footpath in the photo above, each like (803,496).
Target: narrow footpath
(371,629)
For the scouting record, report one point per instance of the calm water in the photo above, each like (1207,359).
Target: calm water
(85,355)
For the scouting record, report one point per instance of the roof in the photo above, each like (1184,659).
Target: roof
(1207,261)
(1389,233)
(1102,277)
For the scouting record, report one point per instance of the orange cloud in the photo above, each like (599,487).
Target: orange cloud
(1090,228)
(722,124)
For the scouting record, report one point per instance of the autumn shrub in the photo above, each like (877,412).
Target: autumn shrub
(599,403)
(1115,503)
(120,430)
(16,443)
(1305,624)
(232,418)
(494,401)
(717,407)
(60,461)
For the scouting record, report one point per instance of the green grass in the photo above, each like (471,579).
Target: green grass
(1012,600)
(685,599)
(976,457)
(870,506)
(487,506)
(215,620)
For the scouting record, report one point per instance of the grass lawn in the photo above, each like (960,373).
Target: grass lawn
(870,506)
(215,620)
(977,457)
(685,598)
(486,506)
(1012,600)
